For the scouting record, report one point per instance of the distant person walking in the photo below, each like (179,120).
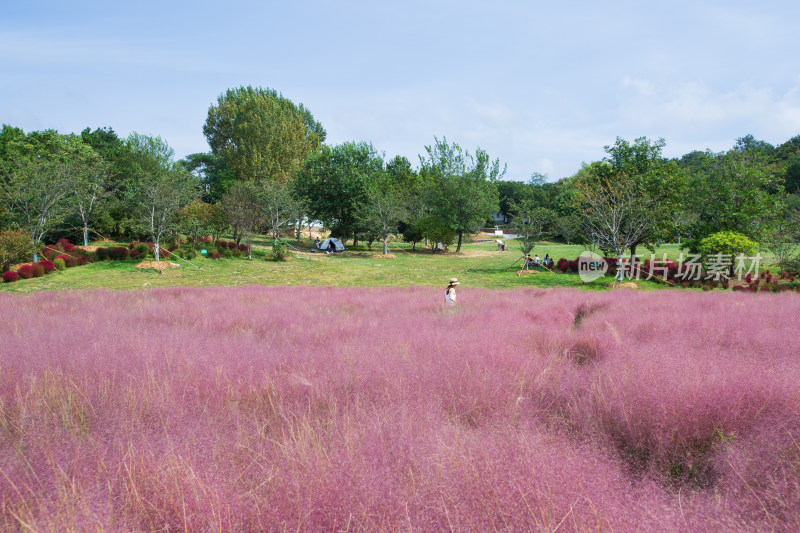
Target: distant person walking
(450,293)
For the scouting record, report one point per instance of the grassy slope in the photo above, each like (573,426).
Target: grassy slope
(478,265)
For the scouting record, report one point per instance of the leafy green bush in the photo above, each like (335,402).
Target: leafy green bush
(280,250)
(59,263)
(14,246)
(728,244)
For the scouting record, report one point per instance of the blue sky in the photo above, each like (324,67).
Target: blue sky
(542,86)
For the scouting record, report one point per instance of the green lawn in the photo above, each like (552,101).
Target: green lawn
(477,265)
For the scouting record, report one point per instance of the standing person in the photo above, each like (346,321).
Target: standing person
(450,293)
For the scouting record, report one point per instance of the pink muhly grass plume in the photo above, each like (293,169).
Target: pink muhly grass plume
(271,408)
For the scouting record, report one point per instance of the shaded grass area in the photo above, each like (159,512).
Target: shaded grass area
(477,265)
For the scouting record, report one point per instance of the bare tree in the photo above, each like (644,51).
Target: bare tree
(613,214)
(89,188)
(279,206)
(243,208)
(530,221)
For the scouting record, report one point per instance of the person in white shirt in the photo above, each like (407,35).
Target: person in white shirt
(450,292)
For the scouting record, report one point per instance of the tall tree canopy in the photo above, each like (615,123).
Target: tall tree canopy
(334,182)
(260,134)
(464,190)
(654,190)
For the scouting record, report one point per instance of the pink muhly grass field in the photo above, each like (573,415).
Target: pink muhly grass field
(327,409)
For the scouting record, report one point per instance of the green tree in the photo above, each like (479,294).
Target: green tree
(437,230)
(737,191)
(726,245)
(161,186)
(214,176)
(279,206)
(14,246)
(655,184)
(260,134)
(243,208)
(333,183)
(39,172)
(383,209)
(530,221)
(463,187)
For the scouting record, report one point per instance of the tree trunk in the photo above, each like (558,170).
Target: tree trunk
(460,234)
(155,250)
(385,248)
(355,241)
(85,235)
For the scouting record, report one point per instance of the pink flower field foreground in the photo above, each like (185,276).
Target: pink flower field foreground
(376,409)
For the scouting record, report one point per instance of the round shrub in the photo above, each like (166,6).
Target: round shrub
(68,247)
(173,247)
(59,263)
(48,266)
(190,254)
(84,260)
(63,241)
(25,271)
(216,255)
(142,249)
(236,252)
(10,276)
(102,253)
(280,250)
(244,248)
(118,253)
(48,253)
(68,260)
(38,270)
(227,253)
(563,264)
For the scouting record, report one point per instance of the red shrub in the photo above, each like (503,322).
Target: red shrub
(562,265)
(173,247)
(48,266)
(69,261)
(48,253)
(573,265)
(68,247)
(63,241)
(25,271)
(244,248)
(118,253)
(83,260)
(10,276)
(216,255)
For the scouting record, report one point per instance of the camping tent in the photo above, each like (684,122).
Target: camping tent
(337,244)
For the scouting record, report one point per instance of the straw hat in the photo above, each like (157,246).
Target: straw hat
(454,281)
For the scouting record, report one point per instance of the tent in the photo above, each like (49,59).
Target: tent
(337,244)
